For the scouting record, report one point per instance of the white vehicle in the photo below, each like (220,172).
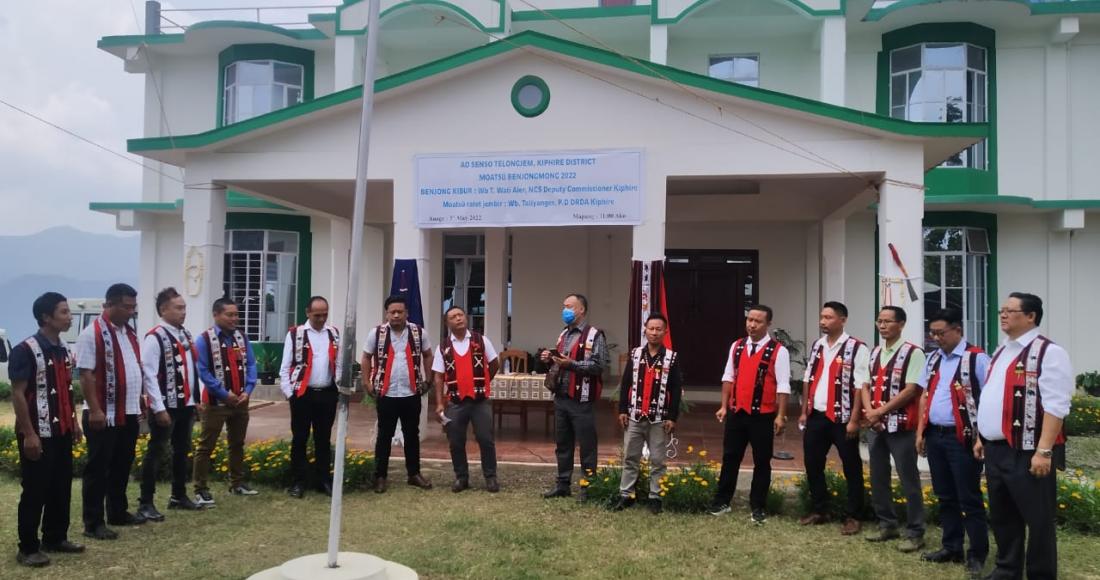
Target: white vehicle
(85,310)
(5,353)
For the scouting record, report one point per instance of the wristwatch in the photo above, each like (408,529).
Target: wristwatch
(1048,453)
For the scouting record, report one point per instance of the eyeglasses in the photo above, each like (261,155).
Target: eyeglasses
(1005,311)
(940,333)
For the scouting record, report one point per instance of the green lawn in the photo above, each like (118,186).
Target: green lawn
(515,534)
(1084,453)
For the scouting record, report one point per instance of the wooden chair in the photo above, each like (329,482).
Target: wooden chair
(516,359)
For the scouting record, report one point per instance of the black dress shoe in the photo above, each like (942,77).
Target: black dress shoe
(150,513)
(325,487)
(101,532)
(182,503)
(380,485)
(419,481)
(460,485)
(558,491)
(33,560)
(63,547)
(492,485)
(942,556)
(621,503)
(296,491)
(127,519)
(974,568)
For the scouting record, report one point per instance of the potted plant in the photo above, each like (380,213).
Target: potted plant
(267,366)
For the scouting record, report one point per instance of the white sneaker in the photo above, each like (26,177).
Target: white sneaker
(204,499)
(720,510)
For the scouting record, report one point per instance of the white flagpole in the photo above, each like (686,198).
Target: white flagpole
(348,343)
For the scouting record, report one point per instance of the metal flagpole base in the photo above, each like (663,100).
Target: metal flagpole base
(353,566)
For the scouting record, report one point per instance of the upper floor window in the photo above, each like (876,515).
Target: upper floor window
(943,82)
(739,68)
(255,87)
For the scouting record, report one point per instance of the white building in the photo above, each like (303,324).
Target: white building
(769,150)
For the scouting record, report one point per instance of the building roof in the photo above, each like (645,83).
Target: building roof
(940,140)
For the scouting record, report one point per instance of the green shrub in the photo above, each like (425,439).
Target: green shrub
(1089,382)
(1084,416)
(5,391)
(1078,503)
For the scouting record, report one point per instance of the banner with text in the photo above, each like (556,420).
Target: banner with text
(529,189)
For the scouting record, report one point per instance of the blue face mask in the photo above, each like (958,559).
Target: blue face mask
(568,316)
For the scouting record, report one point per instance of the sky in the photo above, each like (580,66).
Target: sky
(52,68)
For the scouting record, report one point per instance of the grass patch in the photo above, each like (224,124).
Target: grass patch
(1084,453)
(514,534)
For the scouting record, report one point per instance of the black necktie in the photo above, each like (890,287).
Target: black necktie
(752,351)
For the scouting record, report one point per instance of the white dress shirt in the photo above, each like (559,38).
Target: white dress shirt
(1055,385)
(85,359)
(400,382)
(861,374)
(461,348)
(319,374)
(150,363)
(782,363)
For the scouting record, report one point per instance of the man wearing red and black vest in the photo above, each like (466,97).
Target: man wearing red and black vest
(1024,401)
(755,389)
(946,432)
(168,357)
(397,358)
(108,355)
(576,373)
(891,411)
(46,427)
(464,366)
(227,367)
(838,368)
(649,406)
(307,377)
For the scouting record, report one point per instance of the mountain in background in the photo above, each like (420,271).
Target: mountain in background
(75,263)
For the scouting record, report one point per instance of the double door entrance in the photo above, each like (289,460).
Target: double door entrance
(709,294)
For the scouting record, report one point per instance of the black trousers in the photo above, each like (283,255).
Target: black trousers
(1020,502)
(742,430)
(110,457)
(480,413)
(314,411)
(179,434)
(957,481)
(390,411)
(575,424)
(47,490)
(820,435)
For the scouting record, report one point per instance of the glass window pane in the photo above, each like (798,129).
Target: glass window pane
(230,74)
(897,91)
(746,67)
(720,67)
(293,96)
(282,242)
(477,273)
(289,74)
(975,57)
(261,101)
(953,271)
(460,245)
(475,301)
(278,98)
(953,298)
(248,240)
(530,96)
(904,59)
(254,72)
(897,112)
(933,239)
(977,241)
(449,272)
(944,56)
(956,93)
(932,271)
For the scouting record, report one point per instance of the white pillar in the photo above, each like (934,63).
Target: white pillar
(648,242)
(496,281)
(203,251)
(1056,110)
(147,280)
(833,53)
(345,62)
(833,248)
(339,268)
(900,214)
(658,43)
(813,281)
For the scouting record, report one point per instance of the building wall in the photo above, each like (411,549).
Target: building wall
(1084,126)
(786,63)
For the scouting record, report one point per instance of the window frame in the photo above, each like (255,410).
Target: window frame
(735,55)
(264,52)
(262,257)
(970,220)
(229,88)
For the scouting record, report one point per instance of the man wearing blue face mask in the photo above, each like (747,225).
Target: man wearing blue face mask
(576,373)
